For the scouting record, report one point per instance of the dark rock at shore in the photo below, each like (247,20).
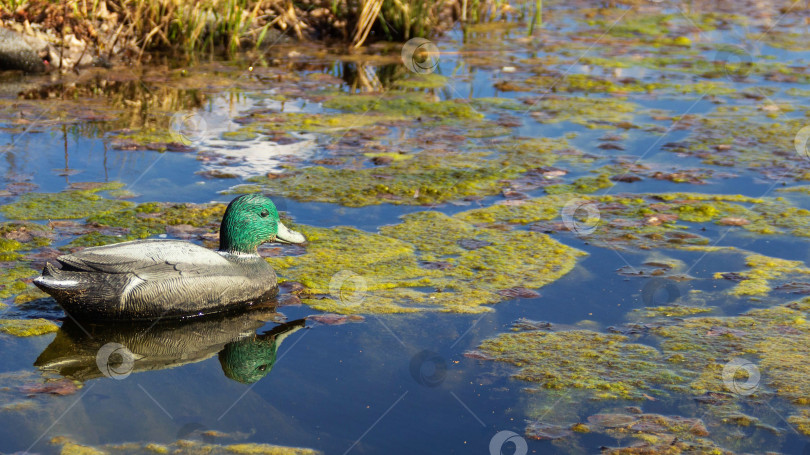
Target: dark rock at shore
(21,52)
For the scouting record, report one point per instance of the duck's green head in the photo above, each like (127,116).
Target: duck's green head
(251,220)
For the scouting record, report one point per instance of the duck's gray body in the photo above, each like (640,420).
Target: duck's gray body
(155,278)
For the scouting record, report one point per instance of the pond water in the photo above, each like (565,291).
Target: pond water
(640,100)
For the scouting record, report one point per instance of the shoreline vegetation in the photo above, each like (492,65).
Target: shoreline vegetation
(46,35)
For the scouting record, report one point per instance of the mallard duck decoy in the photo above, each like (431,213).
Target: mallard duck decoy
(149,279)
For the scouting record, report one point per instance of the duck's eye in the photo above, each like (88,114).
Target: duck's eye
(264,213)
(262,367)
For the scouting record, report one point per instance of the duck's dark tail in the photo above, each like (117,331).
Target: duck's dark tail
(58,283)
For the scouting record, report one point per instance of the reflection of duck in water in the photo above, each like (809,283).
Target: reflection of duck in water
(117,351)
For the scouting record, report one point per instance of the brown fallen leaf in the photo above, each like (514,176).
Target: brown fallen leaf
(612,420)
(528,324)
(61,387)
(657,220)
(478,355)
(473,244)
(289,300)
(436,265)
(734,221)
(626,178)
(714,398)
(512,202)
(610,146)
(542,430)
(291,287)
(718,331)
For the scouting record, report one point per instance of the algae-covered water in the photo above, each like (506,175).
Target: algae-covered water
(592,239)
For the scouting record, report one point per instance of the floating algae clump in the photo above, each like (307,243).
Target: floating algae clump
(407,104)
(314,123)
(148,219)
(608,365)
(671,311)
(11,280)
(703,357)
(428,262)
(655,434)
(27,327)
(591,112)
(23,236)
(777,336)
(16,237)
(8,248)
(764,269)
(651,220)
(582,185)
(801,421)
(65,205)
(430,80)
(425,178)
(693,349)
(740,137)
(69,447)
(152,218)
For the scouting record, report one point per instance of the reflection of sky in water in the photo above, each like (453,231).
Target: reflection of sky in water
(255,156)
